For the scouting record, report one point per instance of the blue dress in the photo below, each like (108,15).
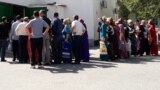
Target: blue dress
(66,47)
(103,35)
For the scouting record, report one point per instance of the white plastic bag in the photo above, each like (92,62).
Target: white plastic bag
(9,48)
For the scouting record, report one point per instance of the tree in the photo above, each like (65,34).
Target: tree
(142,8)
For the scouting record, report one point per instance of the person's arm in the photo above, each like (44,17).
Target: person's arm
(149,34)
(54,27)
(17,29)
(46,28)
(83,30)
(73,28)
(28,26)
(11,32)
(120,31)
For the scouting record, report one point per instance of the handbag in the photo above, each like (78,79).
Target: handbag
(9,48)
(103,48)
(66,50)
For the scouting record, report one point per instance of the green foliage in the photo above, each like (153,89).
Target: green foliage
(142,8)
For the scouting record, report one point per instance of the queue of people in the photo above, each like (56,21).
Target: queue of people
(120,39)
(42,41)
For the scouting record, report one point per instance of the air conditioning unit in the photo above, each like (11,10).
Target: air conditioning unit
(103,4)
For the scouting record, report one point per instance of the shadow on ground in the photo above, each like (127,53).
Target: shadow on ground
(133,60)
(73,68)
(95,62)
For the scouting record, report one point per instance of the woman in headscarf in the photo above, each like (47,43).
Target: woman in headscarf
(116,43)
(66,47)
(132,37)
(111,38)
(85,44)
(103,40)
(122,41)
(153,38)
(139,38)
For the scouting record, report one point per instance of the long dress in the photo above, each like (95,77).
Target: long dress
(85,47)
(103,42)
(66,45)
(122,42)
(111,40)
(116,41)
(133,40)
(153,40)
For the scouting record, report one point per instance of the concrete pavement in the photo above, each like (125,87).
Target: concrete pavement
(141,73)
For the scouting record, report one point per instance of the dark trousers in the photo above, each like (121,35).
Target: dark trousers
(77,48)
(15,49)
(3,46)
(57,50)
(23,40)
(133,46)
(146,47)
(111,51)
(36,44)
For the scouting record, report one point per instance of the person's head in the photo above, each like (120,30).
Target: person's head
(110,21)
(143,22)
(116,22)
(151,22)
(130,22)
(67,21)
(100,19)
(42,13)
(82,21)
(18,17)
(26,19)
(137,23)
(104,19)
(76,17)
(120,21)
(4,19)
(36,14)
(56,15)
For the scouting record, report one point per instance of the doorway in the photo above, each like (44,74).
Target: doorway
(18,10)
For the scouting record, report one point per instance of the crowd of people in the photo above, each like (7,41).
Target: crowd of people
(42,41)
(123,39)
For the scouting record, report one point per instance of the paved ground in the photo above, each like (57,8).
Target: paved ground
(133,74)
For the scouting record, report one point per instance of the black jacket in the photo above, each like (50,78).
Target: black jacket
(4,30)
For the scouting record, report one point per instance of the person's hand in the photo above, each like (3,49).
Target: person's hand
(44,34)
(66,40)
(8,39)
(102,39)
(122,42)
(74,33)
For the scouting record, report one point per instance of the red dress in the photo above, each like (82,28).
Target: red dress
(153,39)
(29,48)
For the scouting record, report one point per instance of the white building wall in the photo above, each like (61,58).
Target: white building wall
(23,2)
(89,10)
(17,2)
(109,11)
(97,13)
(83,8)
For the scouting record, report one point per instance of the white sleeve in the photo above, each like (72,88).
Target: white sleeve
(73,24)
(17,29)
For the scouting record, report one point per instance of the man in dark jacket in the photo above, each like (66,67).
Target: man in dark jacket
(4,35)
(57,27)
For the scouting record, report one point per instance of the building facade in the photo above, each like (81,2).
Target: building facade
(89,10)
